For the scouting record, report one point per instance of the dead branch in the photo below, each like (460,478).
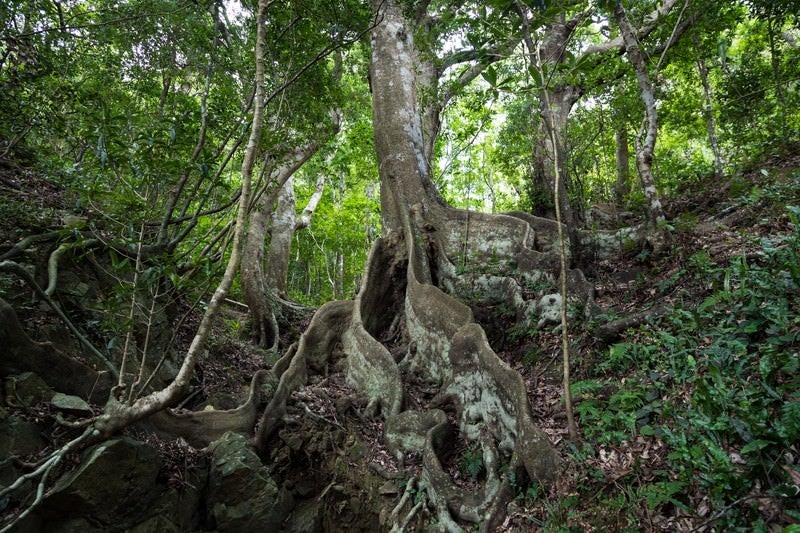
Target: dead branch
(610,331)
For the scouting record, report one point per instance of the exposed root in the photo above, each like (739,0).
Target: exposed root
(55,257)
(407,494)
(42,472)
(312,351)
(201,428)
(25,243)
(403,301)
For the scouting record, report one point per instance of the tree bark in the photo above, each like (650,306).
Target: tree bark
(551,152)
(257,287)
(708,113)
(646,147)
(285,223)
(622,186)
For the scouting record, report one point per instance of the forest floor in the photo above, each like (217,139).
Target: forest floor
(688,422)
(674,414)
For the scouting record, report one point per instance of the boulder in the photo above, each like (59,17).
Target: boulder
(26,390)
(241,495)
(549,309)
(114,484)
(19,438)
(306,518)
(72,405)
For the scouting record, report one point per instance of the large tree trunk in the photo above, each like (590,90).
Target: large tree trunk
(409,297)
(561,98)
(547,154)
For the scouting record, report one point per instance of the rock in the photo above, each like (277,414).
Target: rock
(19,437)
(71,525)
(26,390)
(306,518)
(178,509)
(388,489)
(157,524)
(241,496)
(115,485)
(549,310)
(71,404)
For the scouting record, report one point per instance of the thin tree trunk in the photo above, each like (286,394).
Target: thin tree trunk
(622,186)
(708,113)
(118,415)
(256,285)
(646,147)
(776,74)
(338,278)
(284,225)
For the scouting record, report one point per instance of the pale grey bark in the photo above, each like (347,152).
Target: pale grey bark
(285,223)
(257,287)
(562,96)
(646,146)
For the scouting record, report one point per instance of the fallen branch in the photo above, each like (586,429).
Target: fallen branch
(610,331)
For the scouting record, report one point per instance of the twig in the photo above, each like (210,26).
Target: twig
(129,335)
(324,492)
(722,512)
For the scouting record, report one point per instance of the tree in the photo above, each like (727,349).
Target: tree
(568,70)
(410,295)
(645,147)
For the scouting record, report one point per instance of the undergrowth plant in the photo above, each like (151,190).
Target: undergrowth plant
(719,385)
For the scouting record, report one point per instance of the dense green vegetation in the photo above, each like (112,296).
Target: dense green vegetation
(124,125)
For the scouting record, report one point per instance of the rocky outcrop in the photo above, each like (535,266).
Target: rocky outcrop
(114,486)
(241,495)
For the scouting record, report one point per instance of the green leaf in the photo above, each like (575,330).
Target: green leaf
(490,75)
(755,446)
(535,75)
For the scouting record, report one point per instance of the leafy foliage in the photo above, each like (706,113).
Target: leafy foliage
(718,385)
